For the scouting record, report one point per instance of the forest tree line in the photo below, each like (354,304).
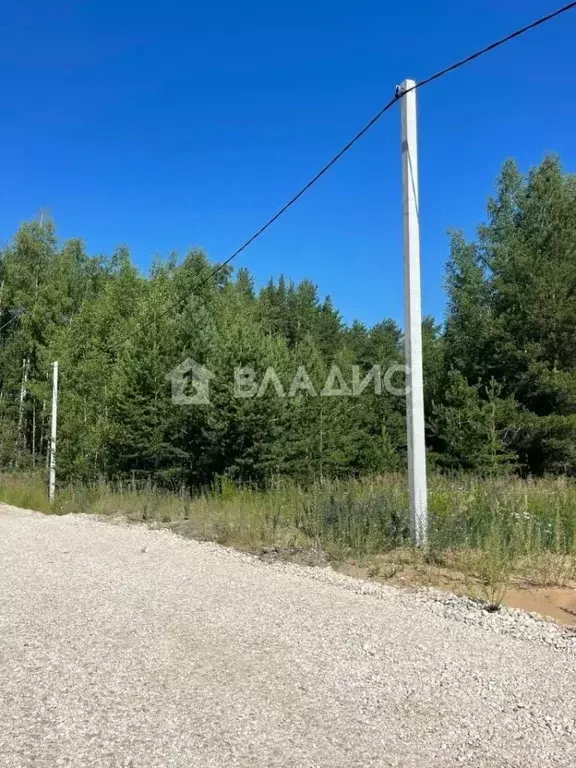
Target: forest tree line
(500,371)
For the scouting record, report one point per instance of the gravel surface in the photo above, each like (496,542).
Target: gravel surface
(123,646)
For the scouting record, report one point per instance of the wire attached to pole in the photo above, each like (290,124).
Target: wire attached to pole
(397,95)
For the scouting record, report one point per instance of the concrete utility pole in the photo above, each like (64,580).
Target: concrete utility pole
(52,487)
(417,483)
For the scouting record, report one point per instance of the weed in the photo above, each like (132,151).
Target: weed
(486,528)
(388,571)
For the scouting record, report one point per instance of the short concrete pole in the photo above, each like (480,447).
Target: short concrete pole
(52,485)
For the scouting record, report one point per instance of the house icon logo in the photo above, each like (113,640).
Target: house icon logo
(190,383)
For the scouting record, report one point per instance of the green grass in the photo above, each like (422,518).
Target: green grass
(490,528)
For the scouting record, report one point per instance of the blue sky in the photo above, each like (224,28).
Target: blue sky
(165,125)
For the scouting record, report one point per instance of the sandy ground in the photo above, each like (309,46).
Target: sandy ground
(552,602)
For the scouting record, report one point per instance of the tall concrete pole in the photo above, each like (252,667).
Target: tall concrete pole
(417,484)
(52,485)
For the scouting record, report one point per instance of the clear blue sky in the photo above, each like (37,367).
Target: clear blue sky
(168,124)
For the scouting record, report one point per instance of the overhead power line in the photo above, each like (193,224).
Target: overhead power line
(16,315)
(420,84)
(494,45)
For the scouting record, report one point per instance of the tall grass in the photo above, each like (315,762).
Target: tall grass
(490,527)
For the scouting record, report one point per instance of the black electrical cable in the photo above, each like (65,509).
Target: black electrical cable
(349,145)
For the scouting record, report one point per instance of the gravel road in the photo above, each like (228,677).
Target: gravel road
(122,646)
